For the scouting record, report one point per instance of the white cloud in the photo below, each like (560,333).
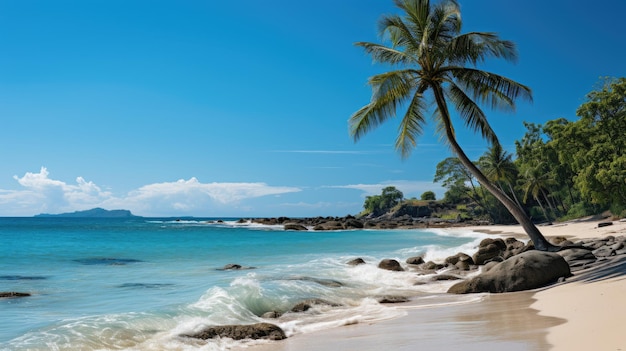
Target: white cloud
(42,194)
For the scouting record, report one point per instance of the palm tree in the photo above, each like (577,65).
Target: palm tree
(535,181)
(498,166)
(436,61)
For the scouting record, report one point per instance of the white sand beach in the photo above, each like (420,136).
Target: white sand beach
(586,312)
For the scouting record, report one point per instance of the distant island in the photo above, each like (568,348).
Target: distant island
(93,213)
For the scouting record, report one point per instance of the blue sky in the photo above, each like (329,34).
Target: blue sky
(240,108)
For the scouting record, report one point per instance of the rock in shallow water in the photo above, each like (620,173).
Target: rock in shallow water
(13,294)
(390,265)
(256,331)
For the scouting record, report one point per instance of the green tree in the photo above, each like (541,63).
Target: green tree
(434,60)
(601,167)
(428,196)
(498,166)
(535,180)
(379,204)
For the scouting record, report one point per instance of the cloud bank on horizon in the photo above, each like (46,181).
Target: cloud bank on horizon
(39,193)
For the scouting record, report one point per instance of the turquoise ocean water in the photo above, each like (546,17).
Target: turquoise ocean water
(137,284)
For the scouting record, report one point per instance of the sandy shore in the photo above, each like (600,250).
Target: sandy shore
(591,303)
(584,313)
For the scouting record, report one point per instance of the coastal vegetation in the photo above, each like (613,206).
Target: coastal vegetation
(560,170)
(433,61)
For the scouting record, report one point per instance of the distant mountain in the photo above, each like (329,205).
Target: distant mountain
(93,213)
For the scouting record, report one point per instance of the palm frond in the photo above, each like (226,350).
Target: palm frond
(475,47)
(400,34)
(383,54)
(389,90)
(417,12)
(471,113)
(411,125)
(445,19)
(488,88)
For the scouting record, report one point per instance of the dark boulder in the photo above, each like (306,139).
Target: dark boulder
(390,265)
(305,305)
(430,265)
(575,254)
(352,223)
(488,249)
(415,260)
(444,277)
(355,262)
(459,257)
(10,294)
(239,332)
(528,270)
(234,267)
(329,225)
(294,226)
(392,299)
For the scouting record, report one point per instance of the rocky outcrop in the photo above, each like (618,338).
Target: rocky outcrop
(528,270)
(404,217)
(295,226)
(239,332)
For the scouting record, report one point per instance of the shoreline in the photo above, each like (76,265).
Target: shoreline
(583,312)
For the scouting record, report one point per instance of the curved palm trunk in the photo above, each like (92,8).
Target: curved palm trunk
(514,196)
(531,230)
(543,209)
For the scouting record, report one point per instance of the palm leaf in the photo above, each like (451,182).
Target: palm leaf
(383,54)
(471,113)
(476,47)
(488,88)
(390,90)
(411,125)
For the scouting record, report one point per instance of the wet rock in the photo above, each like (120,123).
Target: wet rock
(444,277)
(234,267)
(415,260)
(305,305)
(353,224)
(239,332)
(528,270)
(463,265)
(355,262)
(390,265)
(488,249)
(392,299)
(459,257)
(271,315)
(11,294)
(431,266)
(294,226)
